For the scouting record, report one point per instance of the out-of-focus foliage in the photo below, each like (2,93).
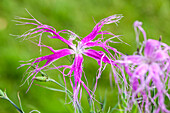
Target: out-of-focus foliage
(78,16)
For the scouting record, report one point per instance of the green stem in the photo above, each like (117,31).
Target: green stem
(69,95)
(15,105)
(52,80)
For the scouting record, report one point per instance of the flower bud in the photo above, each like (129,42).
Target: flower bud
(1,93)
(41,78)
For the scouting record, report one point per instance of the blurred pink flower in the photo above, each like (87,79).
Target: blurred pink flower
(148,72)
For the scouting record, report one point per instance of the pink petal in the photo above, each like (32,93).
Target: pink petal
(135,59)
(77,69)
(97,28)
(139,74)
(78,63)
(57,54)
(93,43)
(138,25)
(151,46)
(155,70)
(160,55)
(97,55)
(141,70)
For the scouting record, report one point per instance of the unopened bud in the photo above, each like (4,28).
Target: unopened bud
(138,51)
(1,93)
(160,38)
(41,79)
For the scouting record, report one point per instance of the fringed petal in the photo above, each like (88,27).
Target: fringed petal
(138,25)
(151,46)
(160,86)
(161,55)
(57,54)
(135,59)
(97,28)
(97,55)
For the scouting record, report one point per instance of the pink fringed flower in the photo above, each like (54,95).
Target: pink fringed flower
(82,47)
(149,73)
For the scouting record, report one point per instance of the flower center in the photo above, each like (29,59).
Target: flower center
(149,61)
(79,49)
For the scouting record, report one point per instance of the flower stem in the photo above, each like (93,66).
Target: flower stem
(69,95)
(15,105)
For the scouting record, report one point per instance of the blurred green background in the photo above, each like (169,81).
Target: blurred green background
(77,16)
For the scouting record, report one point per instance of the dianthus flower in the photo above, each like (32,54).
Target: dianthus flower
(148,72)
(82,47)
